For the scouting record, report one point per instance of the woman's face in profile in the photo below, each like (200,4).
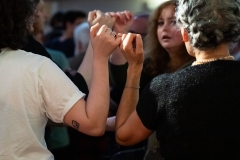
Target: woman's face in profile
(169,35)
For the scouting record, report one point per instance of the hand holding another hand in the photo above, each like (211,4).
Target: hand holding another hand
(132,48)
(123,22)
(104,40)
(102,18)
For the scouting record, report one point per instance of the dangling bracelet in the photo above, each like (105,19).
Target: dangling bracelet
(131,87)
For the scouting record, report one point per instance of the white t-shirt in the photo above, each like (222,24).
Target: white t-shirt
(32,89)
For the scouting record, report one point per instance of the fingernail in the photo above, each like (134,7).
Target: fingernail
(138,36)
(119,34)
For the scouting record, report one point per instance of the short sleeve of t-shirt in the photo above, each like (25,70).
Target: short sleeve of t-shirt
(151,103)
(58,92)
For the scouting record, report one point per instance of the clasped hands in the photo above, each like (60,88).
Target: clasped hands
(104,40)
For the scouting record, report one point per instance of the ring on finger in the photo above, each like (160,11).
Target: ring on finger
(114,34)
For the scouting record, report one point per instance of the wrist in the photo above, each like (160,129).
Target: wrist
(100,54)
(133,87)
(135,68)
(99,59)
(134,72)
(133,80)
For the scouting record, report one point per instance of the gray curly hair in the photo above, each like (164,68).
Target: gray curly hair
(209,22)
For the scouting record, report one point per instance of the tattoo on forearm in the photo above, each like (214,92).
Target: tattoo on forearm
(75,124)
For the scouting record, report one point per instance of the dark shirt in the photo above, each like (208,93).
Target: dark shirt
(67,46)
(118,75)
(35,47)
(52,35)
(195,111)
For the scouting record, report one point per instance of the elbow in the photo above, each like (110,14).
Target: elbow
(96,130)
(126,138)
(122,140)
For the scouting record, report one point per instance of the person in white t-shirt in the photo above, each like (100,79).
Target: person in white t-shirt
(34,89)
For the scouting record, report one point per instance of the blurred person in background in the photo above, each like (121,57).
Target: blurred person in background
(65,42)
(56,24)
(37,32)
(81,40)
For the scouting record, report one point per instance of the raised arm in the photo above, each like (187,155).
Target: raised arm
(90,116)
(118,64)
(122,25)
(94,17)
(129,128)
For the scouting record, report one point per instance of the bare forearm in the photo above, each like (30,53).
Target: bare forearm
(129,97)
(97,104)
(85,68)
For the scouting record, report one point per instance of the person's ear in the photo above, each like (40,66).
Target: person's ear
(185,35)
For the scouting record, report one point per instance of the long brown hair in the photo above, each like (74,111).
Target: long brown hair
(159,57)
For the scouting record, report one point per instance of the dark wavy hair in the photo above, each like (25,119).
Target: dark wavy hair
(159,57)
(71,16)
(56,19)
(16,17)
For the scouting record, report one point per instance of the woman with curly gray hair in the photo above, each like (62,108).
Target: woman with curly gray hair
(195,111)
